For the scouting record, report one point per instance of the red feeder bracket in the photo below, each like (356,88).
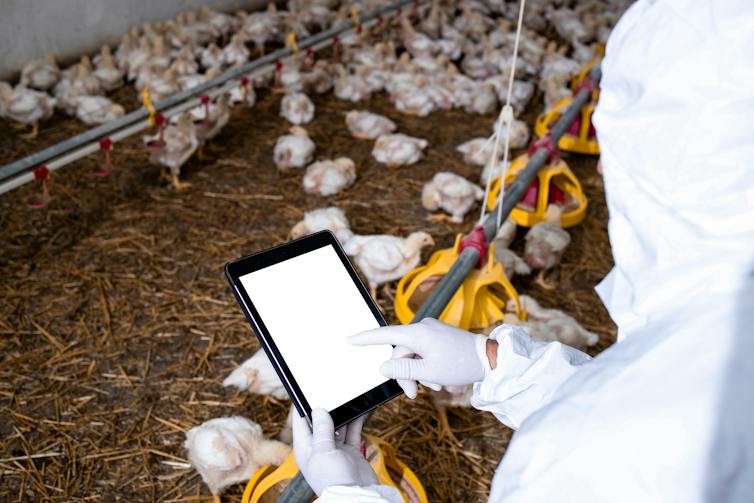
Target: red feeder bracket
(586,83)
(106,145)
(475,239)
(204,99)
(553,153)
(41,174)
(159,121)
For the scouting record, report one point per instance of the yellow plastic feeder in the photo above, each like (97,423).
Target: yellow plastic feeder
(477,304)
(555,184)
(583,75)
(580,137)
(268,482)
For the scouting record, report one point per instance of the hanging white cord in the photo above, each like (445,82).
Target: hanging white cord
(505,120)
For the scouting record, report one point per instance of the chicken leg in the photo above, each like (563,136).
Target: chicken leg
(202,156)
(445,432)
(177,183)
(33,133)
(440,217)
(541,281)
(216,498)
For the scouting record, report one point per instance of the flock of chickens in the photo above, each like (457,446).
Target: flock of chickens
(435,56)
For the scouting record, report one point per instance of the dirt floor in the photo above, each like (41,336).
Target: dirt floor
(118,326)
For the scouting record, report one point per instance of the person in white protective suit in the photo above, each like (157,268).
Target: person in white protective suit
(667,413)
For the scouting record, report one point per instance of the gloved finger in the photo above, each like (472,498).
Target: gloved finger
(409,336)
(409,387)
(340,435)
(353,433)
(302,437)
(431,385)
(405,368)
(323,431)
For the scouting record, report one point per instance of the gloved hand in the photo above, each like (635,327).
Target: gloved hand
(326,459)
(430,352)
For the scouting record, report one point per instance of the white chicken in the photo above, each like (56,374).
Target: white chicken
(385,258)
(350,87)
(512,263)
(243,95)
(476,151)
(107,72)
(413,98)
(137,58)
(221,23)
(215,118)
(451,193)
(331,219)
(368,126)
(505,234)
(545,243)
(398,149)
(319,79)
(41,74)
(97,110)
(212,56)
(293,150)
(26,106)
(327,177)
(550,324)
(257,375)
(261,27)
(122,52)
(173,147)
(297,108)
(184,64)
(418,44)
(492,170)
(164,86)
(521,94)
(519,134)
(229,450)
(483,100)
(235,53)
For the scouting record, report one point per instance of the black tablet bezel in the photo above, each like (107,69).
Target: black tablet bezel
(234,270)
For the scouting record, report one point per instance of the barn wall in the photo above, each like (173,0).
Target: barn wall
(69,28)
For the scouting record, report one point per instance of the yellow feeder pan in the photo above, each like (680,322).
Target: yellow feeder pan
(580,137)
(555,184)
(268,482)
(477,304)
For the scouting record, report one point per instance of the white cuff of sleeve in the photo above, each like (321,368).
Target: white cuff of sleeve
(481,352)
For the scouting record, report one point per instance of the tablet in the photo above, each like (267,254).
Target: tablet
(302,300)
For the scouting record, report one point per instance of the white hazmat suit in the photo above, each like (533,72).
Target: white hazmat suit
(667,413)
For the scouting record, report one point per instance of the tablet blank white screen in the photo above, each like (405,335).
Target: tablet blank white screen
(310,305)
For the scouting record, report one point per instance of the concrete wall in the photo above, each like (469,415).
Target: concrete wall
(70,28)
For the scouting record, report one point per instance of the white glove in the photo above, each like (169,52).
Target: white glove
(430,352)
(326,459)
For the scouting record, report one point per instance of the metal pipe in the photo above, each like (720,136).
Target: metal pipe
(321,39)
